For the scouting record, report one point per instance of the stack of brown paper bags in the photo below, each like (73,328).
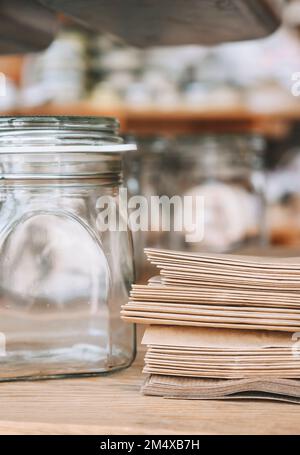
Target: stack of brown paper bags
(221,326)
(220,353)
(204,363)
(225,291)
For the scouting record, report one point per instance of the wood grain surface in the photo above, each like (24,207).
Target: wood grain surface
(113,405)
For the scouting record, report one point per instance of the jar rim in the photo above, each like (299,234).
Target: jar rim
(59,121)
(21,134)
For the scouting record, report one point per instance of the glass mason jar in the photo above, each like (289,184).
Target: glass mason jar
(63,277)
(149,172)
(225,173)
(283,197)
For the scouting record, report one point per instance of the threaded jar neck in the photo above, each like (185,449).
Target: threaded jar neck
(60,148)
(39,130)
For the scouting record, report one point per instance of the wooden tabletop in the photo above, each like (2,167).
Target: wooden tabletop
(113,404)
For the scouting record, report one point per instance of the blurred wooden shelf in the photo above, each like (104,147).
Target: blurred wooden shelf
(189,121)
(177,121)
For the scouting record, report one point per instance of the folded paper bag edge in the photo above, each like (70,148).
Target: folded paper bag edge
(218,338)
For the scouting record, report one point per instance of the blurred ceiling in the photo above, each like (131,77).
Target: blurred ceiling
(29,25)
(25,25)
(145,23)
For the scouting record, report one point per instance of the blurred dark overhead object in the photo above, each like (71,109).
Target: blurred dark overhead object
(25,26)
(175,22)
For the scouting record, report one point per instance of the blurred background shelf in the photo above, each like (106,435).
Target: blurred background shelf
(161,91)
(176,121)
(192,121)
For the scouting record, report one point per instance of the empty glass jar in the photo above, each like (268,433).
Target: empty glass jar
(150,172)
(225,173)
(63,276)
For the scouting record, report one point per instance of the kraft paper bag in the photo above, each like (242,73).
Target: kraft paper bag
(216,389)
(215,338)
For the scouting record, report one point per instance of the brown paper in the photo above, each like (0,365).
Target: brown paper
(214,389)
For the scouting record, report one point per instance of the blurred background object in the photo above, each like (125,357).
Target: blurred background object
(149,172)
(58,75)
(283,197)
(29,25)
(98,69)
(226,171)
(175,22)
(26,26)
